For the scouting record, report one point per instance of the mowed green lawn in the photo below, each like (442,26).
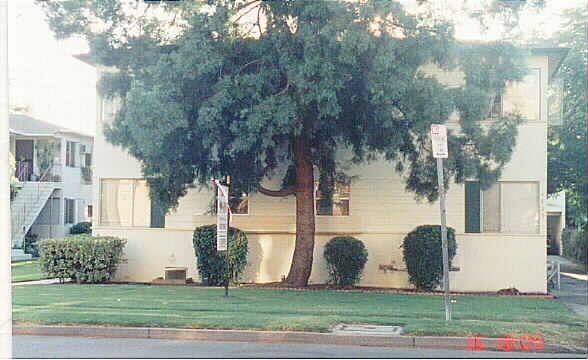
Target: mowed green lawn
(273,309)
(27,271)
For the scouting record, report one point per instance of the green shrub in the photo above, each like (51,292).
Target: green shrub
(211,263)
(31,245)
(83,227)
(346,257)
(83,258)
(423,255)
(575,245)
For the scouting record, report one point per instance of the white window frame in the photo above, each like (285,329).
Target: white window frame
(132,207)
(70,148)
(65,212)
(501,208)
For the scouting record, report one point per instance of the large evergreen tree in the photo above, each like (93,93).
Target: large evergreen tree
(567,156)
(228,87)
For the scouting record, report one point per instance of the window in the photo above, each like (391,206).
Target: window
(88,160)
(157,215)
(90,211)
(109,109)
(69,217)
(338,205)
(70,153)
(126,202)
(239,203)
(525,96)
(505,207)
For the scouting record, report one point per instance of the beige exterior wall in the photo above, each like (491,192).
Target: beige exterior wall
(381,213)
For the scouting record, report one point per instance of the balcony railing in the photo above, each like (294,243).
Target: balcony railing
(24,172)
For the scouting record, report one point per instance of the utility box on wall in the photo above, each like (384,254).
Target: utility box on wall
(174,275)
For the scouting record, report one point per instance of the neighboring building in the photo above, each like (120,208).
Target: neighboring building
(555,208)
(501,232)
(54,172)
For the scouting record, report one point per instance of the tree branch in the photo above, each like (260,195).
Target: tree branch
(246,12)
(279,193)
(249,63)
(246,5)
(281,92)
(259,23)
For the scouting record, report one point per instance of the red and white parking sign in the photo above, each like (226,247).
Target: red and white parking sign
(439,138)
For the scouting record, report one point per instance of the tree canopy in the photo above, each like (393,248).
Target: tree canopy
(229,87)
(567,159)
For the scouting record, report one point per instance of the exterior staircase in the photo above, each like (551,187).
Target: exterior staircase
(25,209)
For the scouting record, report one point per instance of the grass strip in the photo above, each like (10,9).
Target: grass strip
(29,270)
(272,309)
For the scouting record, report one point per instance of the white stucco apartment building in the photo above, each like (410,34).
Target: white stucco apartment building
(501,232)
(53,166)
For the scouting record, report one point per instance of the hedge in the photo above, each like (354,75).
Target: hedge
(211,263)
(83,258)
(423,255)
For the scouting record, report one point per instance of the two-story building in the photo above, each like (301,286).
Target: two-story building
(501,232)
(54,172)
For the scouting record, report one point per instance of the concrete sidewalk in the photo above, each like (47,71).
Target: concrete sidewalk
(293,337)
(574,287)
(39,282)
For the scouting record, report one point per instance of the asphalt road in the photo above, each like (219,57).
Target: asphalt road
(78,347)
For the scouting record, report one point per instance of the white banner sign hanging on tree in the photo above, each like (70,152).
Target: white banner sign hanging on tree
(222,217)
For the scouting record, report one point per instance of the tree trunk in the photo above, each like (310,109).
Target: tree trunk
(303,249)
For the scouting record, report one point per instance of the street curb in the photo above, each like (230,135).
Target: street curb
(276,337)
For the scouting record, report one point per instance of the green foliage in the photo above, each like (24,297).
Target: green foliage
(83,258)
(234,93)
(212,263)
(83,227)
(567,155)
(31,245)
(346,257)
(575,245)
(423,255)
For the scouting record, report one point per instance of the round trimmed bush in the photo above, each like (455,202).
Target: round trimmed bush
(423,255)
(211,263)
(346,257)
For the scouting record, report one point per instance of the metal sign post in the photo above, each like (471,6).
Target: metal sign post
(228,259)
(439,139)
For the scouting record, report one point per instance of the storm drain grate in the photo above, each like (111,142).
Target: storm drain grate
(366,330)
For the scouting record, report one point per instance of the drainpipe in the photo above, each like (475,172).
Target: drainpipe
(5,233)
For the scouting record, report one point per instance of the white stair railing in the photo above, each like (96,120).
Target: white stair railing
(21,219)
